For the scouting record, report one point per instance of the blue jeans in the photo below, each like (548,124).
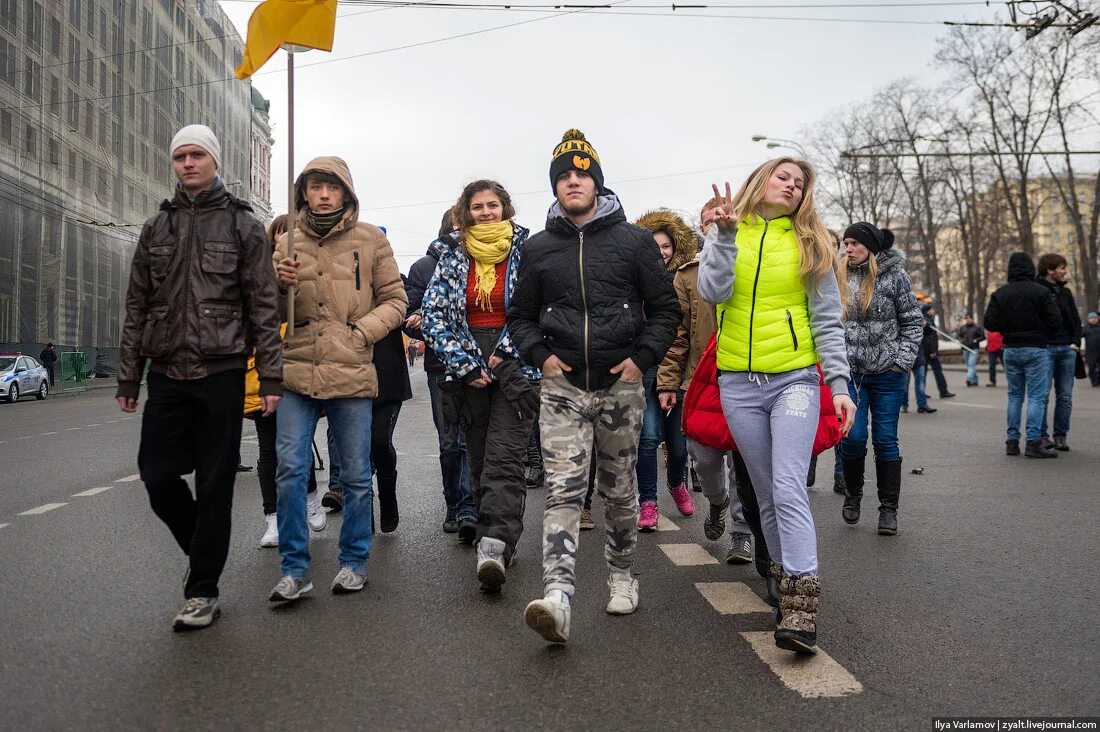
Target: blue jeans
(1027,371)
(1063,367)
(972,366)
(878,404)
(838,465)
(453,464)
(919,373)
(655,426)
(350,422)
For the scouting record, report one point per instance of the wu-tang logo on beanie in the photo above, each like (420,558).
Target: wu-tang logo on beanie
(575,153)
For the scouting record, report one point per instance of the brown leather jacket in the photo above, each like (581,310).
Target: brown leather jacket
(202,294)
(697,325)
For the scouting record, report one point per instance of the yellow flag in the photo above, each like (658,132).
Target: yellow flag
(309,23)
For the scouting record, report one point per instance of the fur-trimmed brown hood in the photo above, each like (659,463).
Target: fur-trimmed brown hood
(683,238)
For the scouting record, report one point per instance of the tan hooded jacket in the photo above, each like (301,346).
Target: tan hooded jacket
(349,297)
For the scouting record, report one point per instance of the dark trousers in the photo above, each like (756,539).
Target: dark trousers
(49,370)
(194,426)
(1092,358)
(994,357)
(454,466)
(749,505)
(496,439)
(937,371)
(265,466)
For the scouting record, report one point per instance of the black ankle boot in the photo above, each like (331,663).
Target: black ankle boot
(853,488)
(888,473)
(387,503)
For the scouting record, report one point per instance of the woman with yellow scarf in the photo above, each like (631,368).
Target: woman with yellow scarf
(487,387)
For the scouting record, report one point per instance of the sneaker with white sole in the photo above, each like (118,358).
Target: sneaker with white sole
(549,617)
(624,593)
(290,588)
(348,581)
(740,549)
(271,531)
(197,612)
(315,514)
(490,564)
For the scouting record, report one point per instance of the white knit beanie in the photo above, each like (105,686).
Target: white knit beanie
(202,136)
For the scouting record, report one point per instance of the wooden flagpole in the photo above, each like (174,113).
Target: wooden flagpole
(291,212)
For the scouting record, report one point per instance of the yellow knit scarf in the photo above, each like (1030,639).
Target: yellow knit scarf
(488,245)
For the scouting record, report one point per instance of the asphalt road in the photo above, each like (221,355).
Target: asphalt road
(984,604)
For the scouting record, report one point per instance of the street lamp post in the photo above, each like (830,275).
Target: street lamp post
(774,142)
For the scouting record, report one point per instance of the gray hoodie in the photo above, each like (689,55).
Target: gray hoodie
(888,335)
(716,281)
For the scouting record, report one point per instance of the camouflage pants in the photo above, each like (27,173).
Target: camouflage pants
(574,424)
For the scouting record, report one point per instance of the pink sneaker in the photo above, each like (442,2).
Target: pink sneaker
(683,499)
(647,520)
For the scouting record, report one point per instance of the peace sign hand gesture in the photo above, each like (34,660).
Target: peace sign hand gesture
(723,214)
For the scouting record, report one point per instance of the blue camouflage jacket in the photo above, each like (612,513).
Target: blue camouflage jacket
(444,312)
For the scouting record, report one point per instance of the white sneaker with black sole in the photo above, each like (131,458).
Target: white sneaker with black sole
(271,531)
(197,612)
(549,617)
(315,514)
(290,588)
(490,564)
(347,581)
(624,593)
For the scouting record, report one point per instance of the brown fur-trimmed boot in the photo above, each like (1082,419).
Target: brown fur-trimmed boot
(797,629)
(771,585)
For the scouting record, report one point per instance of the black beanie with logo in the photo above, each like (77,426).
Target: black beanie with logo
(575,153)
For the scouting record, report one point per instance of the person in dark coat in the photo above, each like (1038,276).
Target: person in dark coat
(1062,349)
(1026,315)
(1092,348)
(48,357)
(931,348)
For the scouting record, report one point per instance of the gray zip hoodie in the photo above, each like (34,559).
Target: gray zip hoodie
(716,283)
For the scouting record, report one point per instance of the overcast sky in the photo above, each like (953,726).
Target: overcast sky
(669,103)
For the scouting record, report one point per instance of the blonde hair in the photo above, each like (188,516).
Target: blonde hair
(814,242)
(866,288)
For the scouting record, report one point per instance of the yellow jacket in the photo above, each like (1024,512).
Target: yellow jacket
(252,403)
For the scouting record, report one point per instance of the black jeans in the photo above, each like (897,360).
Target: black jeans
(194,426)
(496,442)
(265,466)
(937,370)
(994,357)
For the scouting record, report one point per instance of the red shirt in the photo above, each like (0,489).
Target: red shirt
(475,316)
(995,341)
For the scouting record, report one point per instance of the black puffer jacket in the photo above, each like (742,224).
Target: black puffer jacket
(1070,330)
(593,296)
(1023,311)
(420,274)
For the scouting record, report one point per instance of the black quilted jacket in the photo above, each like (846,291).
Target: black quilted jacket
(593,296)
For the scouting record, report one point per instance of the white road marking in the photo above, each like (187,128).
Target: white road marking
(25,437)
(92,491)
(42,509)
(687,555)
(732,598)
(95,425)
(813,677)
(47,433)
(129,478)
(73,429)
(3,525)
(664,524)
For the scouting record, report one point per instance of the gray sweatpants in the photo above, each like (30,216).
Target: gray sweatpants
(708,465)
(773,420)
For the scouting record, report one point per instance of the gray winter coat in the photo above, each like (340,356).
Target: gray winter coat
(888,335)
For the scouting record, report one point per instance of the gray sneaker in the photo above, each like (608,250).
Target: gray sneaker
(290,589)
(197,612)
(740,549)
(490,564)
(348,581)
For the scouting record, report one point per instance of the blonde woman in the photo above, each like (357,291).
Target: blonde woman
(769,266)
(882,329)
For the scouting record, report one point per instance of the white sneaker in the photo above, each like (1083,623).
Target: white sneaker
(271,532)
(348,581)
(315,514)
(624,593)
(549,617)
(490,564)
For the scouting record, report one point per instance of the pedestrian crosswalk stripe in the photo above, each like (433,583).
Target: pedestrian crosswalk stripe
(43,509)
(92,491)
(687,555)
(664,524)
(732,598)
(129,478)
(813,677)
(3,525)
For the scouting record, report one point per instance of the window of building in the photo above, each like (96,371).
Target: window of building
(74,58)
(55,38)
(89,69)
(91,20)
(146,27)
(103,78)
(103,28)
(5,126)
(53,151)
(32,79)
(7,61)
(89,121)
(34,25)
(30,141)
(72,111)
(8,13)
(103,128)
(86,172)
(72,166)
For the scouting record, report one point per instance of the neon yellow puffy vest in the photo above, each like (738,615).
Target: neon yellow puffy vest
(765,325)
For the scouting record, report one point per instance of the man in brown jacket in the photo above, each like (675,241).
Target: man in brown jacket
(348,295)
(202,295)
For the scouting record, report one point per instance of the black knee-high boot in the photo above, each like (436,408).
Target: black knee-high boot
(853,488)
(889,490)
